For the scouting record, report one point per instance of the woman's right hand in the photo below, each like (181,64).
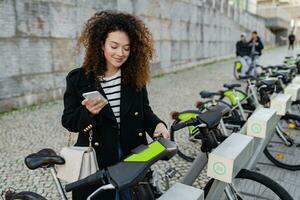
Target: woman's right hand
(94,106)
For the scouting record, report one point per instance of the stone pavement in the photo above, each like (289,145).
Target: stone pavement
(28,130)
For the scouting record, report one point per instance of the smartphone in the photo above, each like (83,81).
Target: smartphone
(92,95)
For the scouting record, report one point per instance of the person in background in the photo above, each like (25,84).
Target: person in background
(256,47)
(256,44)
(243,53)
(292,39)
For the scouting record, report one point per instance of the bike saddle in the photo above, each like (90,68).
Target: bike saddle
(282,67)
(134,168)
(206,94)
(268,82)
(247,77)
(43,158)
(231,86)
(276,75)
(270,67)
(212,117)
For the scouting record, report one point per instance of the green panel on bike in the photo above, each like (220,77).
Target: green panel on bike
(291,61)
(231,96)
(147,154)
(187,116)
(238,65)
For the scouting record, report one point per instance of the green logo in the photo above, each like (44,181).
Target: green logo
(219,168)
(256,128)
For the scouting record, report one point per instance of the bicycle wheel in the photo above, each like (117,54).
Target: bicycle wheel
(252,185)
(26,195)
(249,185)
(282,153)
(187,139)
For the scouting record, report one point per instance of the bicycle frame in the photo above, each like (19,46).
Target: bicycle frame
(58,184)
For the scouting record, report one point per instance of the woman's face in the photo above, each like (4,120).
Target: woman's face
(116,49)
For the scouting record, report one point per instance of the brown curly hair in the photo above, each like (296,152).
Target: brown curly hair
(136,69)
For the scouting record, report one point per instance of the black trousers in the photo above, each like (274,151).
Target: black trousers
(291,45)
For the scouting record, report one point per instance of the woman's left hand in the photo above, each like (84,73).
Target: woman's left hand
(161,129)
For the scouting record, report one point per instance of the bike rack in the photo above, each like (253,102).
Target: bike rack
(294,90)
(296,80)
(225,162)
(260,140)
(181,191)
(257,147)
(281,103)
(261,123)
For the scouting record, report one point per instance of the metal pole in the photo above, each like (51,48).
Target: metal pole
(196,168)
(58,184)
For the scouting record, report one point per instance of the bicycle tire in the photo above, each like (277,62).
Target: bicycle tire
(27,195)
(276,153)
(259,178)
(266,181)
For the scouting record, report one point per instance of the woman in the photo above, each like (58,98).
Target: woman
(119,48)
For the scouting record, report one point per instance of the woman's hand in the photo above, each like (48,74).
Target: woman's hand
(161,129)
(94,106)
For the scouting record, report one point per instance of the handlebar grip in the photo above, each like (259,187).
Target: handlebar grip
(191,122)
(97,177)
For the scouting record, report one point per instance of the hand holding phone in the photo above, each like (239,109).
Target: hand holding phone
(92,95)
(94,102)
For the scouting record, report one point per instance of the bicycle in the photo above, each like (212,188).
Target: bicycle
(254,68)
(130,172)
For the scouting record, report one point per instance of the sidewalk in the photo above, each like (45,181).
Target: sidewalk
(29,130)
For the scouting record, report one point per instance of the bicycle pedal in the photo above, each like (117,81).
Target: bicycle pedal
(171,172)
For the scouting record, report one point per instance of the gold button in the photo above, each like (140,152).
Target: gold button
(136,113)
(96,144)
(140,134)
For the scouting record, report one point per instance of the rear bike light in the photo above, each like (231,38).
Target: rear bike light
(174,114)
(8,193)
(291,125)
(198,104)
(280,156)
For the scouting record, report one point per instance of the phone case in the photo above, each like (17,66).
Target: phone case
(92,95)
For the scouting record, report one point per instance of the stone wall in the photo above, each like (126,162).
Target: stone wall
(38,38)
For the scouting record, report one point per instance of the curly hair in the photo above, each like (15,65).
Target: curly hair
(136,69)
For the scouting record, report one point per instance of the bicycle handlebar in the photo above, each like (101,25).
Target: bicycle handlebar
(95,178)
(191,122)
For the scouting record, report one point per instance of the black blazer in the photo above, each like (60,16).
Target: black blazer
(259,47)
(136,116)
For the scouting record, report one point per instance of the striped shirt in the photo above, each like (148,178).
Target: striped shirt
(112,89)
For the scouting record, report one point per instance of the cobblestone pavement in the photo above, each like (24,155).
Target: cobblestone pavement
(28,130)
